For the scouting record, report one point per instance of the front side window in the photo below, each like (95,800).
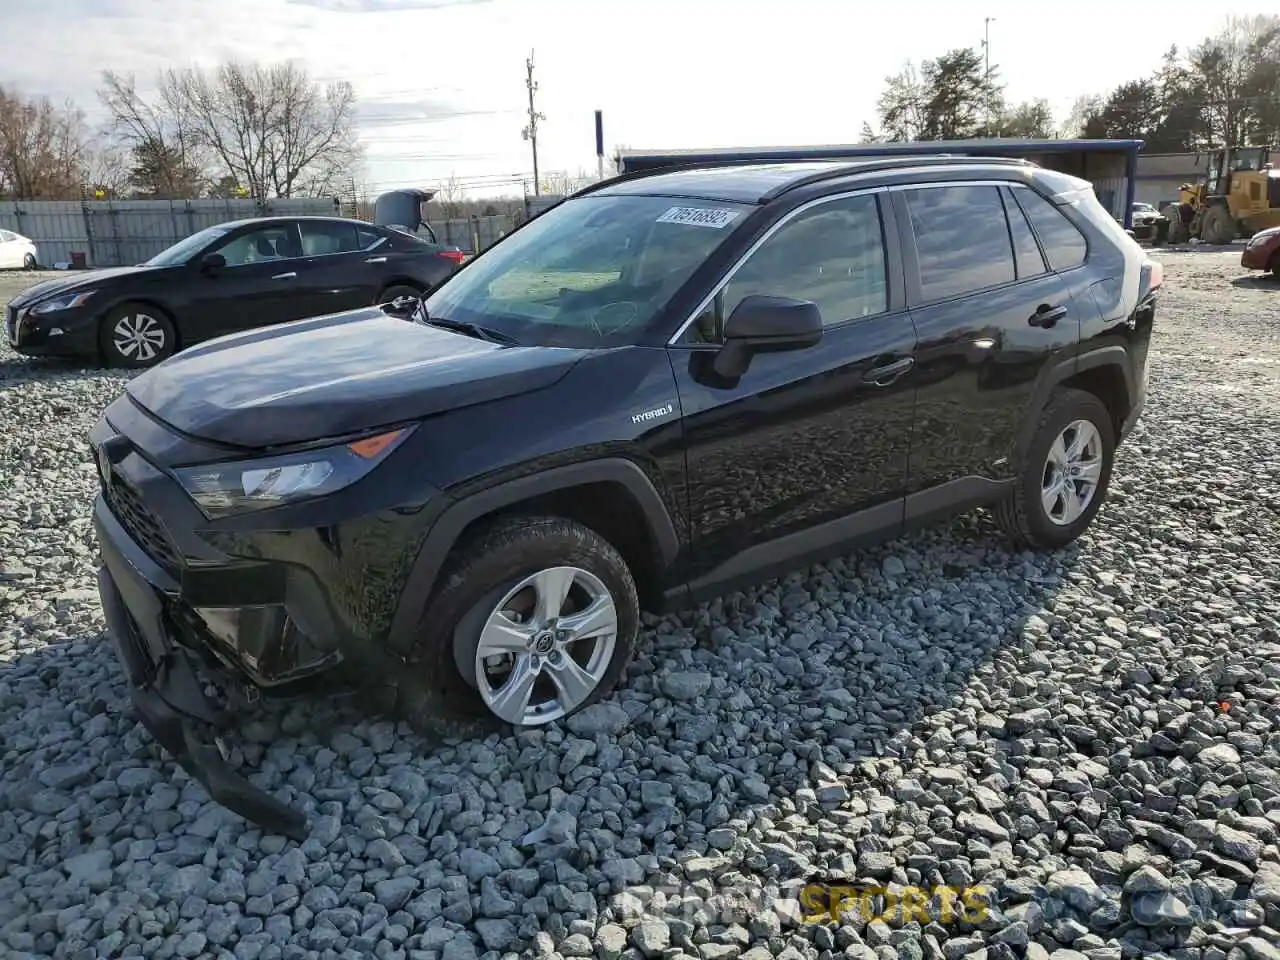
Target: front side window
(962,240)
(590,272)
(276,242)
(1064,244)
(832,254)
(185,249)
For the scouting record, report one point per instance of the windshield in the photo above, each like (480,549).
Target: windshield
(184,250)
(590,272)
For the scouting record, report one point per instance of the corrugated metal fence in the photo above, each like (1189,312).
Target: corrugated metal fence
(114,233)
(473,234)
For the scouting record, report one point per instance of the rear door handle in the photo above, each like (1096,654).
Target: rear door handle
(376,260)
(284,276)
(1046,316)
(884,375)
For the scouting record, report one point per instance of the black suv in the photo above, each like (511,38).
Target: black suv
(670,384)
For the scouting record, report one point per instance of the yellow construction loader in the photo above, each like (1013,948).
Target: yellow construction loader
(1239,196)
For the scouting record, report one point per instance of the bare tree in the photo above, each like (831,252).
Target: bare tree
(1085,106)
(450,197)
(107,174)
(563,183)
(161,135)
(273,129)
(902,105)
(42,148)
(261,131)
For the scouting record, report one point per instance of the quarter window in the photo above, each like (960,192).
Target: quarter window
(368,237)
(1026,252)
(832,254)
(1064,244)
(962,240)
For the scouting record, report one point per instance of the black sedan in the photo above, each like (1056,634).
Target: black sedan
(227,278)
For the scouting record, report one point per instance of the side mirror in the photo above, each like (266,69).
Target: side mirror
(403,308)
(212,262)
(762,324)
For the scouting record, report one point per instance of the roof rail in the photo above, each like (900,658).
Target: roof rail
(874,164)
(869,165)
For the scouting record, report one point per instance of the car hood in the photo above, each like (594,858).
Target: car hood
(335,375)
(74,280)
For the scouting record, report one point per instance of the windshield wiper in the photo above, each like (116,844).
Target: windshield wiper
(472,330)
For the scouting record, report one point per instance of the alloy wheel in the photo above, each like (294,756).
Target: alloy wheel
(138,337)
(1071,473)
(546,646)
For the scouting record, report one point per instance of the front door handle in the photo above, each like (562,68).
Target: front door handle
(376,260)
(884,375)
(284,276)
(1046,316)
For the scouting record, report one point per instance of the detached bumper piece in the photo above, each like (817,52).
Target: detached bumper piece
(168,694)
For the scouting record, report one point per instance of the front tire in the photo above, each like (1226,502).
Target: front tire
(1218,227)
(537,619)
(136,336)
(29,262)
(1064,476)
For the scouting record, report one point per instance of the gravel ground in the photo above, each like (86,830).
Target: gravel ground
(1092,738)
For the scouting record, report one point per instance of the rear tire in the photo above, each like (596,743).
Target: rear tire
(1177,228)
(1055,497)
(491,593)
(136,336)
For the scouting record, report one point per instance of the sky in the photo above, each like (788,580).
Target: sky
(441,83)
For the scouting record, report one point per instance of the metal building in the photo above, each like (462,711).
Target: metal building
(1110,165)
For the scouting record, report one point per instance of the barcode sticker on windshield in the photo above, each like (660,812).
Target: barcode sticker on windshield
(717,218)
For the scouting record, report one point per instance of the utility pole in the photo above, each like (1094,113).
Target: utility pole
(530,132)
(986,51)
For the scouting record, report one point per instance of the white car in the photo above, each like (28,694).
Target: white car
(17,252)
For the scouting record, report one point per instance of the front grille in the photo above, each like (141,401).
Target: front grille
(141,523)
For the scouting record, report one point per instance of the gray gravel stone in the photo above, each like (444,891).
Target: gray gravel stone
(937,711)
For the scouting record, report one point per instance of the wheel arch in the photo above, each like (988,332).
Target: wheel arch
(1103,372)
(613,496)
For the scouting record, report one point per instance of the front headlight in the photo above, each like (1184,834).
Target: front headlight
(242,486)
(67,301)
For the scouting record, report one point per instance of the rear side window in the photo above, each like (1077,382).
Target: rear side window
(1026,252)
(962,240)
(1064,244)
(368,237)
(320,238)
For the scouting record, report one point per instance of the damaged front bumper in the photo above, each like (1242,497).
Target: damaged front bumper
(163,684)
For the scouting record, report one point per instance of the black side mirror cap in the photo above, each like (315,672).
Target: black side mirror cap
(212,261)
(765,324)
